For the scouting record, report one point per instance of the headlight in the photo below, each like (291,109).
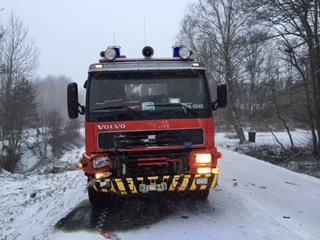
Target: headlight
(203,158)
(100,162)
(102,175)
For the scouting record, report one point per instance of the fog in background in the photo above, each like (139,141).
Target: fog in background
(70,34)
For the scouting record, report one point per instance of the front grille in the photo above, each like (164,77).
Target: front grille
(152,163)
(127,140)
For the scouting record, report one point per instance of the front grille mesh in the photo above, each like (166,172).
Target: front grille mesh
(127,140)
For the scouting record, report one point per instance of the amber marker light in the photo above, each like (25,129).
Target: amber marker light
(215,170)
(80,165)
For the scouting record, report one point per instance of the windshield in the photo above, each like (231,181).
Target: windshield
(147,93)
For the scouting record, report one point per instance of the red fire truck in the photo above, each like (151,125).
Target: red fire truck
(148,125)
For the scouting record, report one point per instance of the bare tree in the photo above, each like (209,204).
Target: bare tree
(297,59)
(297,23)
(253,67)
(18,62)
(217,29)
(60,135)
(51,95)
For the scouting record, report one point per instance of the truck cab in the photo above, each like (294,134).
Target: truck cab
(148,125)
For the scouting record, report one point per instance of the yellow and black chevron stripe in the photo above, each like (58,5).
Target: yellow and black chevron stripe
(175,183)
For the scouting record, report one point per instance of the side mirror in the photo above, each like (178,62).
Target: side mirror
(222,96)
(72,99)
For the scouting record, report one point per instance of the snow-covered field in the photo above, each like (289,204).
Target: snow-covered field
(30,206)
(301,138)
(254,200)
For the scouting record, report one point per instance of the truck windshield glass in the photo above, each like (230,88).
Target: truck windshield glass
(147,92)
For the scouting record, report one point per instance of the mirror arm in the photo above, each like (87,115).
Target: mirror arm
(82,109)
(85,84)
(215,105)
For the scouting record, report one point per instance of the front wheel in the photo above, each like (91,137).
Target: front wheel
(97,199)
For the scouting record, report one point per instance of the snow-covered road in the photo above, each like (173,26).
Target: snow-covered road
(254,200)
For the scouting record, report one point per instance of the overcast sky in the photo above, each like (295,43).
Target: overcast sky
(71,33)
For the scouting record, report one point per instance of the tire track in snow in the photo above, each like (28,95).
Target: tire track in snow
(102,219)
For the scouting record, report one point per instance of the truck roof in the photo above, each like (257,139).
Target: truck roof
(136,64)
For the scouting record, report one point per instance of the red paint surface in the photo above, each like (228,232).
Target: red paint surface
(93,128)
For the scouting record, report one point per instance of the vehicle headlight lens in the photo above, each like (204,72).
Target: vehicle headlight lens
(203,158)
(102,175)
(100,162)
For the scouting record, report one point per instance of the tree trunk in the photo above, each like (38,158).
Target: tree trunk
(235,120)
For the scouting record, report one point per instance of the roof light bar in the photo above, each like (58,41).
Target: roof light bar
(176,50)
(181,52)
(111,53)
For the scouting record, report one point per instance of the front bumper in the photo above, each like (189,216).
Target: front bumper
(174,183)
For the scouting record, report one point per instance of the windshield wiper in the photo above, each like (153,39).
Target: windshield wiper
(186,108)
(119,107)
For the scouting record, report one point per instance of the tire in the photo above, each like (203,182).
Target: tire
(203,195)
(97,199)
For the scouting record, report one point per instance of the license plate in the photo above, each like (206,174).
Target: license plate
(201,181)
(153,187)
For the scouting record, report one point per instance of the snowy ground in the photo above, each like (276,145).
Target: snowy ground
(299,159)
(254,200)
(33,160)
(301,138)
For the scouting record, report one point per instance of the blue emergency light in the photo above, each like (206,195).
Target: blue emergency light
(112,53)
(176,51)
(182,52)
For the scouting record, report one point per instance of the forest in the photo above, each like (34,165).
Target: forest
(267,52)
(29,102)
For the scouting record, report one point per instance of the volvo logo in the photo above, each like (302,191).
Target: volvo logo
(151,139)
(114,126)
